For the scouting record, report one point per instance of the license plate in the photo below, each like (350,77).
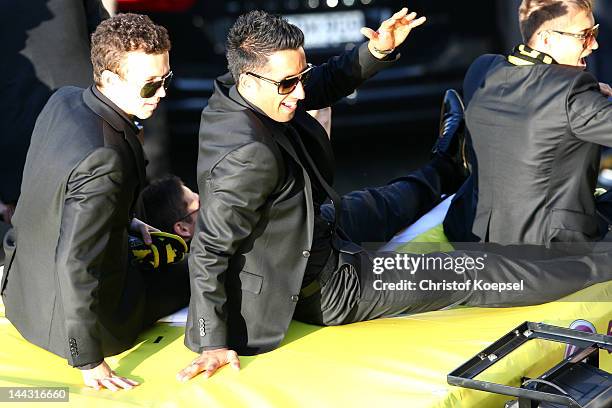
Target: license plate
(329,29)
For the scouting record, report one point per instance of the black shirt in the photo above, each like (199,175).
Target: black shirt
(322,232)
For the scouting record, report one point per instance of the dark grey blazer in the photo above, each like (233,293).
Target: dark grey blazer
(536,132)
(66,272)
(255,226)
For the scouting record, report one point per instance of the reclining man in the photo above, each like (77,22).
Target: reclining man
(170,205)
(537,121)
(264,251)
(68,286)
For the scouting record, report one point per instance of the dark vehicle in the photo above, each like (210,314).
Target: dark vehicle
(434,58)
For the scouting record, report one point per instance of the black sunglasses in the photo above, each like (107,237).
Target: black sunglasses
(287,85)
(188,215)
(150,88)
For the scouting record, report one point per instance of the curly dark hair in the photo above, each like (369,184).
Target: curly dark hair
(534,13)
(121,34)
(254,36)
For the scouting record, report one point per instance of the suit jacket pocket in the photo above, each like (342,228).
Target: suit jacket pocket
(572,226)
(250,282)
(10,249)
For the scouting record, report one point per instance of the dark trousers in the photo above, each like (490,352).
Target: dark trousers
(165,289)
(348,293)
(603,206)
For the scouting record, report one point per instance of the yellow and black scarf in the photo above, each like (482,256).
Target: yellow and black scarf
(524,55)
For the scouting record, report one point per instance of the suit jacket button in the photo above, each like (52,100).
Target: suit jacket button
(295,298)
(305,254)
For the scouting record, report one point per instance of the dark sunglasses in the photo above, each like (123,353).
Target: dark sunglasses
(189,214)
(150,88)
(287,85)
(588,36)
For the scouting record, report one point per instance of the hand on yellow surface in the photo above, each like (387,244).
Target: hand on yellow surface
(209,362)
(103,377)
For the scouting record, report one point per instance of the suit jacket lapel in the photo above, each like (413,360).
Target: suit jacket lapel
(119,121)
(136,148)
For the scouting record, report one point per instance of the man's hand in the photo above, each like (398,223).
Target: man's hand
(209,362)
(103,377)
(143,229)
(605,89)
(6,212)
(391,33)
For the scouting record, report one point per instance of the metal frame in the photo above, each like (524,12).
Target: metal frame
(589,343)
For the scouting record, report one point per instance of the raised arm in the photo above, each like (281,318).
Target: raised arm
(340,76)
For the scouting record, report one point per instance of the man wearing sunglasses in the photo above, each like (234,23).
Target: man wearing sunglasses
(537,121)
(67,285)
(265,241)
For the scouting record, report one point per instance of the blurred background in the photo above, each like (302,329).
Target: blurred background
(385,128)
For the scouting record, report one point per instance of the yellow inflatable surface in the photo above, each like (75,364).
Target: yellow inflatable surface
(396,362)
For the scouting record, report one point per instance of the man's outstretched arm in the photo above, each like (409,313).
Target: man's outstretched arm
(342,74)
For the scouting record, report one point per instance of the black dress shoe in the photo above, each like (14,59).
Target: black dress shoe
(451,142)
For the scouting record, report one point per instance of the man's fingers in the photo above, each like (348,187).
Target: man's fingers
(417,22)
(146,235)
(190,371)
(211,368)
(408,18)
(233,360)
(605,89)
(93,384)
(387,24)
(109,384)
(400,14)
(123,382)
(369,33)
(131,382)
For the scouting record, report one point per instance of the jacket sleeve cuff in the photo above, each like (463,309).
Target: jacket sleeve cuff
(370,65)
(85,359)
(89,366)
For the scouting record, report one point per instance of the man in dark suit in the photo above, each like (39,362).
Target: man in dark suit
(46,46)
(68,286)
(266,248)
(537,121)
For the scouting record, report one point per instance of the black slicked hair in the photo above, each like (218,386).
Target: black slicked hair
(255,36)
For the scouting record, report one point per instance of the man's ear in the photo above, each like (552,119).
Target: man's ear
(542,39)
(246,83)
(108,78)
(180,229)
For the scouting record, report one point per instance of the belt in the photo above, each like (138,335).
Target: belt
(322,278)
(310,289)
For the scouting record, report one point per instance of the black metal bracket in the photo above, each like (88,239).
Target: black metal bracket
(588,343)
